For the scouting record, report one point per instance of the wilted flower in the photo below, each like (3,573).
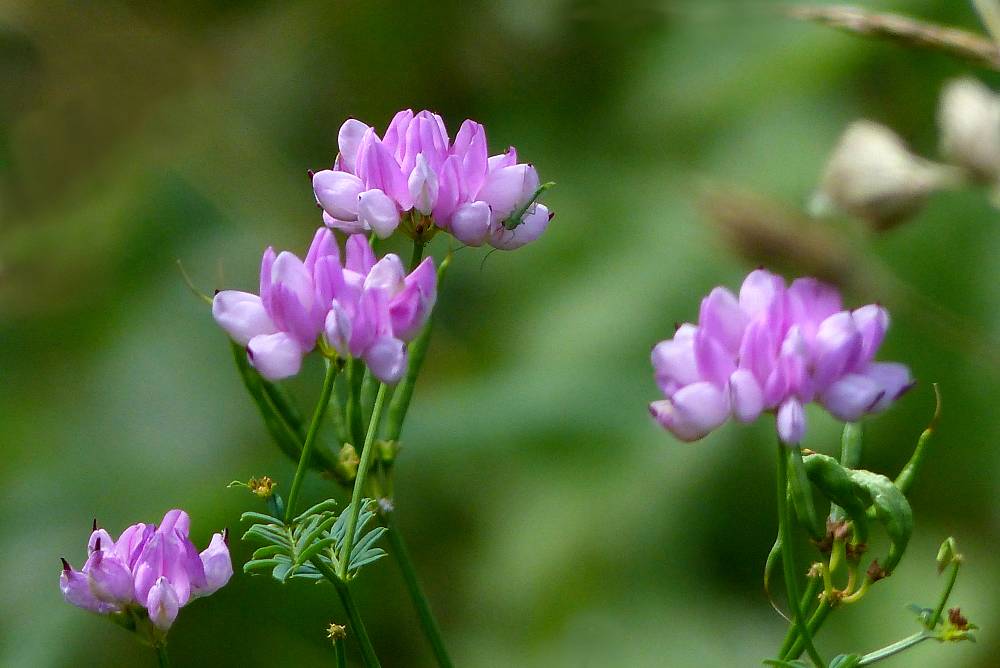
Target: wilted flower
(377,308)
(774,348)
(969,118)
(416,170)
(156,568)
(871,174)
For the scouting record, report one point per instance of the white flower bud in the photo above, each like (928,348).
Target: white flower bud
(871,174)
(969,118)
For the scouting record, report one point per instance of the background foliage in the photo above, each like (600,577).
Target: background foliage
(553,522)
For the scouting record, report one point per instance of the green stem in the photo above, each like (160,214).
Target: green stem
(341,651)
(353,615)
(812,589)
(427,621)
(355,414)
(939,610)
(815,622)
(317,420)
(161,655)
(909,473)
(417,254)
(894,648)
(400,403)
(359,482)
(788,556)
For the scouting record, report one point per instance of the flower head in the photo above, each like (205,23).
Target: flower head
(366,308)
(774,348)
(376,308)
(156,568)
(417,171)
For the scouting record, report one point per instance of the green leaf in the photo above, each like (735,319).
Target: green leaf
(259,564)
(796,663)
(259,517)
(320,507)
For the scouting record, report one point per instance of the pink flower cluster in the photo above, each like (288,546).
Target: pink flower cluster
(415,167)
(155,567)
(365,308)
(774,348)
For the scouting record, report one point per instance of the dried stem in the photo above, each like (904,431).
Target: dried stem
(953,41)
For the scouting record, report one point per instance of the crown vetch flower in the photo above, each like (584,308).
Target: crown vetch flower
(281,325)
(367,309)
(774,348)
(415,168)
(376,308)
(153,567)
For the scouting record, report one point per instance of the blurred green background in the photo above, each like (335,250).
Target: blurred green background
(553,523)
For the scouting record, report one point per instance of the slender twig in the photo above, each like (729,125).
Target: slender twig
(788,557)
(894,648)
(359,482)
(427,621)
(353,615)
(812,589)
(317,420)
(939,610)
(911,32)
(815,622)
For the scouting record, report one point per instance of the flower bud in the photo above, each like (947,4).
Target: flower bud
(871,174)
(969,118)
(162,604)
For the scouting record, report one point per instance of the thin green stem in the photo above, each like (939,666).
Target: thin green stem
(317,420)
(939,610)
(353,615)
(894,648)
(359,482)
(161,655)
(417,254)
(341,651)
(427,620)
(788,556)
(355,413)
(812,589)
(815,622)
(904,481)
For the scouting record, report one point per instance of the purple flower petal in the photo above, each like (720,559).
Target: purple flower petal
(693,411)
(275,356)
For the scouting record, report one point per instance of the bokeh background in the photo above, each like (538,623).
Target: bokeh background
(552,522)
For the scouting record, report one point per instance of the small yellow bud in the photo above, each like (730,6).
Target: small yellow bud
(262,486)
(336,632)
